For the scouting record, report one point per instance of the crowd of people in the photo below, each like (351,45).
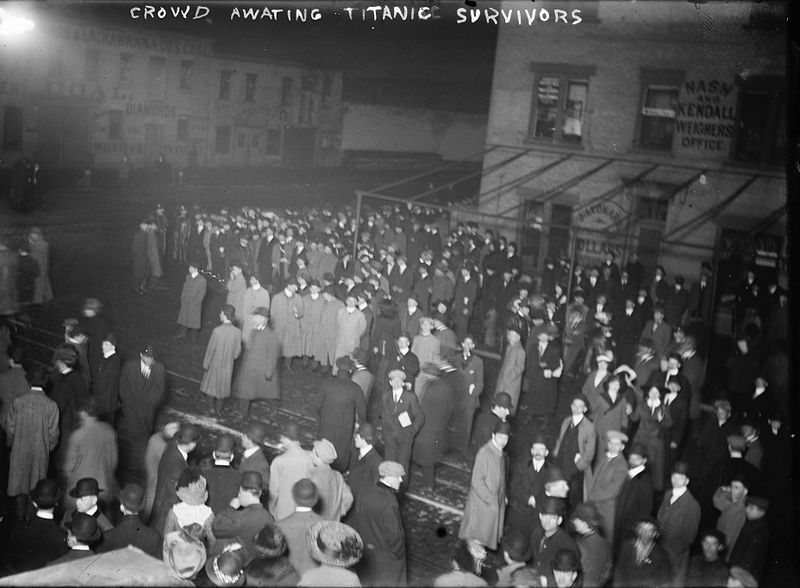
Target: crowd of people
(661,475)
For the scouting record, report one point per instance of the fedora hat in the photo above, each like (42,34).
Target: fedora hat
(132,497)
(305,493)
(565,560)
(85,487)
(185,555)
(84,527)
(227,568)
(335,544)
(46,493)
(517,546)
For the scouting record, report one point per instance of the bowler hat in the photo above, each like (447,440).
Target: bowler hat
(46,493)
(269,542)
(539,439)
(681,467)
(305,493)
(187,433)
(252,481)
(503,400)
(84,527)
(517,546)
(502,428)
(132,497)
(334,544)
(638,449)
(552,506)
(618,435)
(85,487)
(553,474)
(565,560)
(582,397)
(588,513)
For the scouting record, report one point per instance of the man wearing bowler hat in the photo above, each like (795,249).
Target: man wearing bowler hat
(83,535)
(141,391)
(39,539)
(635,499)
(526,491)
(679,517)
(86,494)
(550,538)
(295,526)
(243,518)
(595,549)
(131,530)
(170,467)
(487,419)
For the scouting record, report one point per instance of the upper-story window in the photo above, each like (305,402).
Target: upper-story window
(125,69)
(658,108)
(559,106)
(225,84)
(760,123)
(250,87)
(187,72)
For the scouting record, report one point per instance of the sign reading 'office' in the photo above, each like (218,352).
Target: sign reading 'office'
(705,116)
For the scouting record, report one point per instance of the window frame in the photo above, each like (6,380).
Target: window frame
(250,91)
(664,78)
(185,82)
(566,73)
(774,87)
(225,84)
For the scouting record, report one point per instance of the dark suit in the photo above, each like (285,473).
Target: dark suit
(679,522)
(525,482)
(377,520)
(223,485)
(662,336)
(471,372)
(675,306)
(363,471)
(240,525)
(653,572)
(627,330)
(634,502)
(106,387)
(35,543)
(139,399)
(752,548)
(700,303)
(432,441)
(170,468)
(541,396)
(339,403)
(545,549)
(132,531)
(398,439)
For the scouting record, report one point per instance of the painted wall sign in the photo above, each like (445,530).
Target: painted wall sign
(592,244)
(705,116)
(129,41)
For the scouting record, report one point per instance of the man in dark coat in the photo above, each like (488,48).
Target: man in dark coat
(438,404)
(470,368)
(679,517)
(627,328)
(192,295)
(244,516)
(752,547)
(96,328)
(543,369)
(340,404)
(222,481)
(38,540)
(68,389)
(676,304)
(364,462)
(141,391)
(402,419)
(403,359)
(526,491)
(141,263)
(106,381)
(550,538)
(635,499)
(254,459)
(487,419)
(642,562)
(170,467)
(131,530)
(377,520)
(83,535)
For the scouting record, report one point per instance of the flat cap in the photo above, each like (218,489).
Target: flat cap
(618,435)
(391,469)
(325,450)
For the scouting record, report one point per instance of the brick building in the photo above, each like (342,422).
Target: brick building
(654,127)
(78,94)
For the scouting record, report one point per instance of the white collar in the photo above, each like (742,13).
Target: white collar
(677,493)
(756,394)
(80,547)
(183,453)
(251,451)
(222,462)
(302,509)
(537,464)
(92,510)
(364,450)
(633,472)
(107,355)
(45,514)
(576,419)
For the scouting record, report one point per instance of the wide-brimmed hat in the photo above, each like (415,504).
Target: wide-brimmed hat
(84,527)
(269,542)
(46,493)
(305,493)
(85,487)
(517,546)
(227,568)
(503,400)
(185,555)
(132,497)
(335,544)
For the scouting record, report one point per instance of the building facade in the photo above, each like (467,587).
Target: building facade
(650,127)
(82,95)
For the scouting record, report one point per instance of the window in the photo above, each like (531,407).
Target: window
(92,62)
(115,124)
(187,71)
(12,128)
(652,209)
(273,142)
(183,128)
(155,76)
(560,95)
(223,140)
(225,77)
(240,140)
(286,91)
(125,69)
(327,85)
(658,117)
(250,87)
(761,127)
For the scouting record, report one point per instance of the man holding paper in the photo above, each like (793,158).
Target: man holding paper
(402,419)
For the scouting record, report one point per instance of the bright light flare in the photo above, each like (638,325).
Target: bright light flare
(12,25)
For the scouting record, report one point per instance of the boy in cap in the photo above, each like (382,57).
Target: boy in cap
(679,517)
(222,480)
(484,513)
(295,526)
(335,497)
(244,516)
(131,530)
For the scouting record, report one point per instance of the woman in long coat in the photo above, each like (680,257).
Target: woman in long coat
(485,511)
(654,424)
(285,314)
(254,297)
(40,251)
(259,377)
(223,348)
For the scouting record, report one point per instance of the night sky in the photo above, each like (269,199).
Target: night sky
(434,50)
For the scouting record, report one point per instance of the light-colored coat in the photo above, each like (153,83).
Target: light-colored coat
(509,379)
(223,348)
(311,324)
(485,511)
(194,290)
(351,326)
(285,314)
(587,442)
(259,376)
(288,468)
(294,528)
(237,288)
(325,352)
(32,432)
(679,522)
(603,486)
(42,290)
(335,497)
(92,453)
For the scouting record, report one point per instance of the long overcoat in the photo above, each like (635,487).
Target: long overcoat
(542,392)
(106,386)
(339,403)
(285,315)
(509,380)
(652,434)
(350,327)
(484,514)
(253,298)
(194,290)
(223,348)
(291,466)
(679,523)
(170,467)
(377,520)
(32,432)
(259,376)
(325,349)
(311,324)
(237,288)
(438,403)
(43,291)
(92,453)
(602,487)
(335,496)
